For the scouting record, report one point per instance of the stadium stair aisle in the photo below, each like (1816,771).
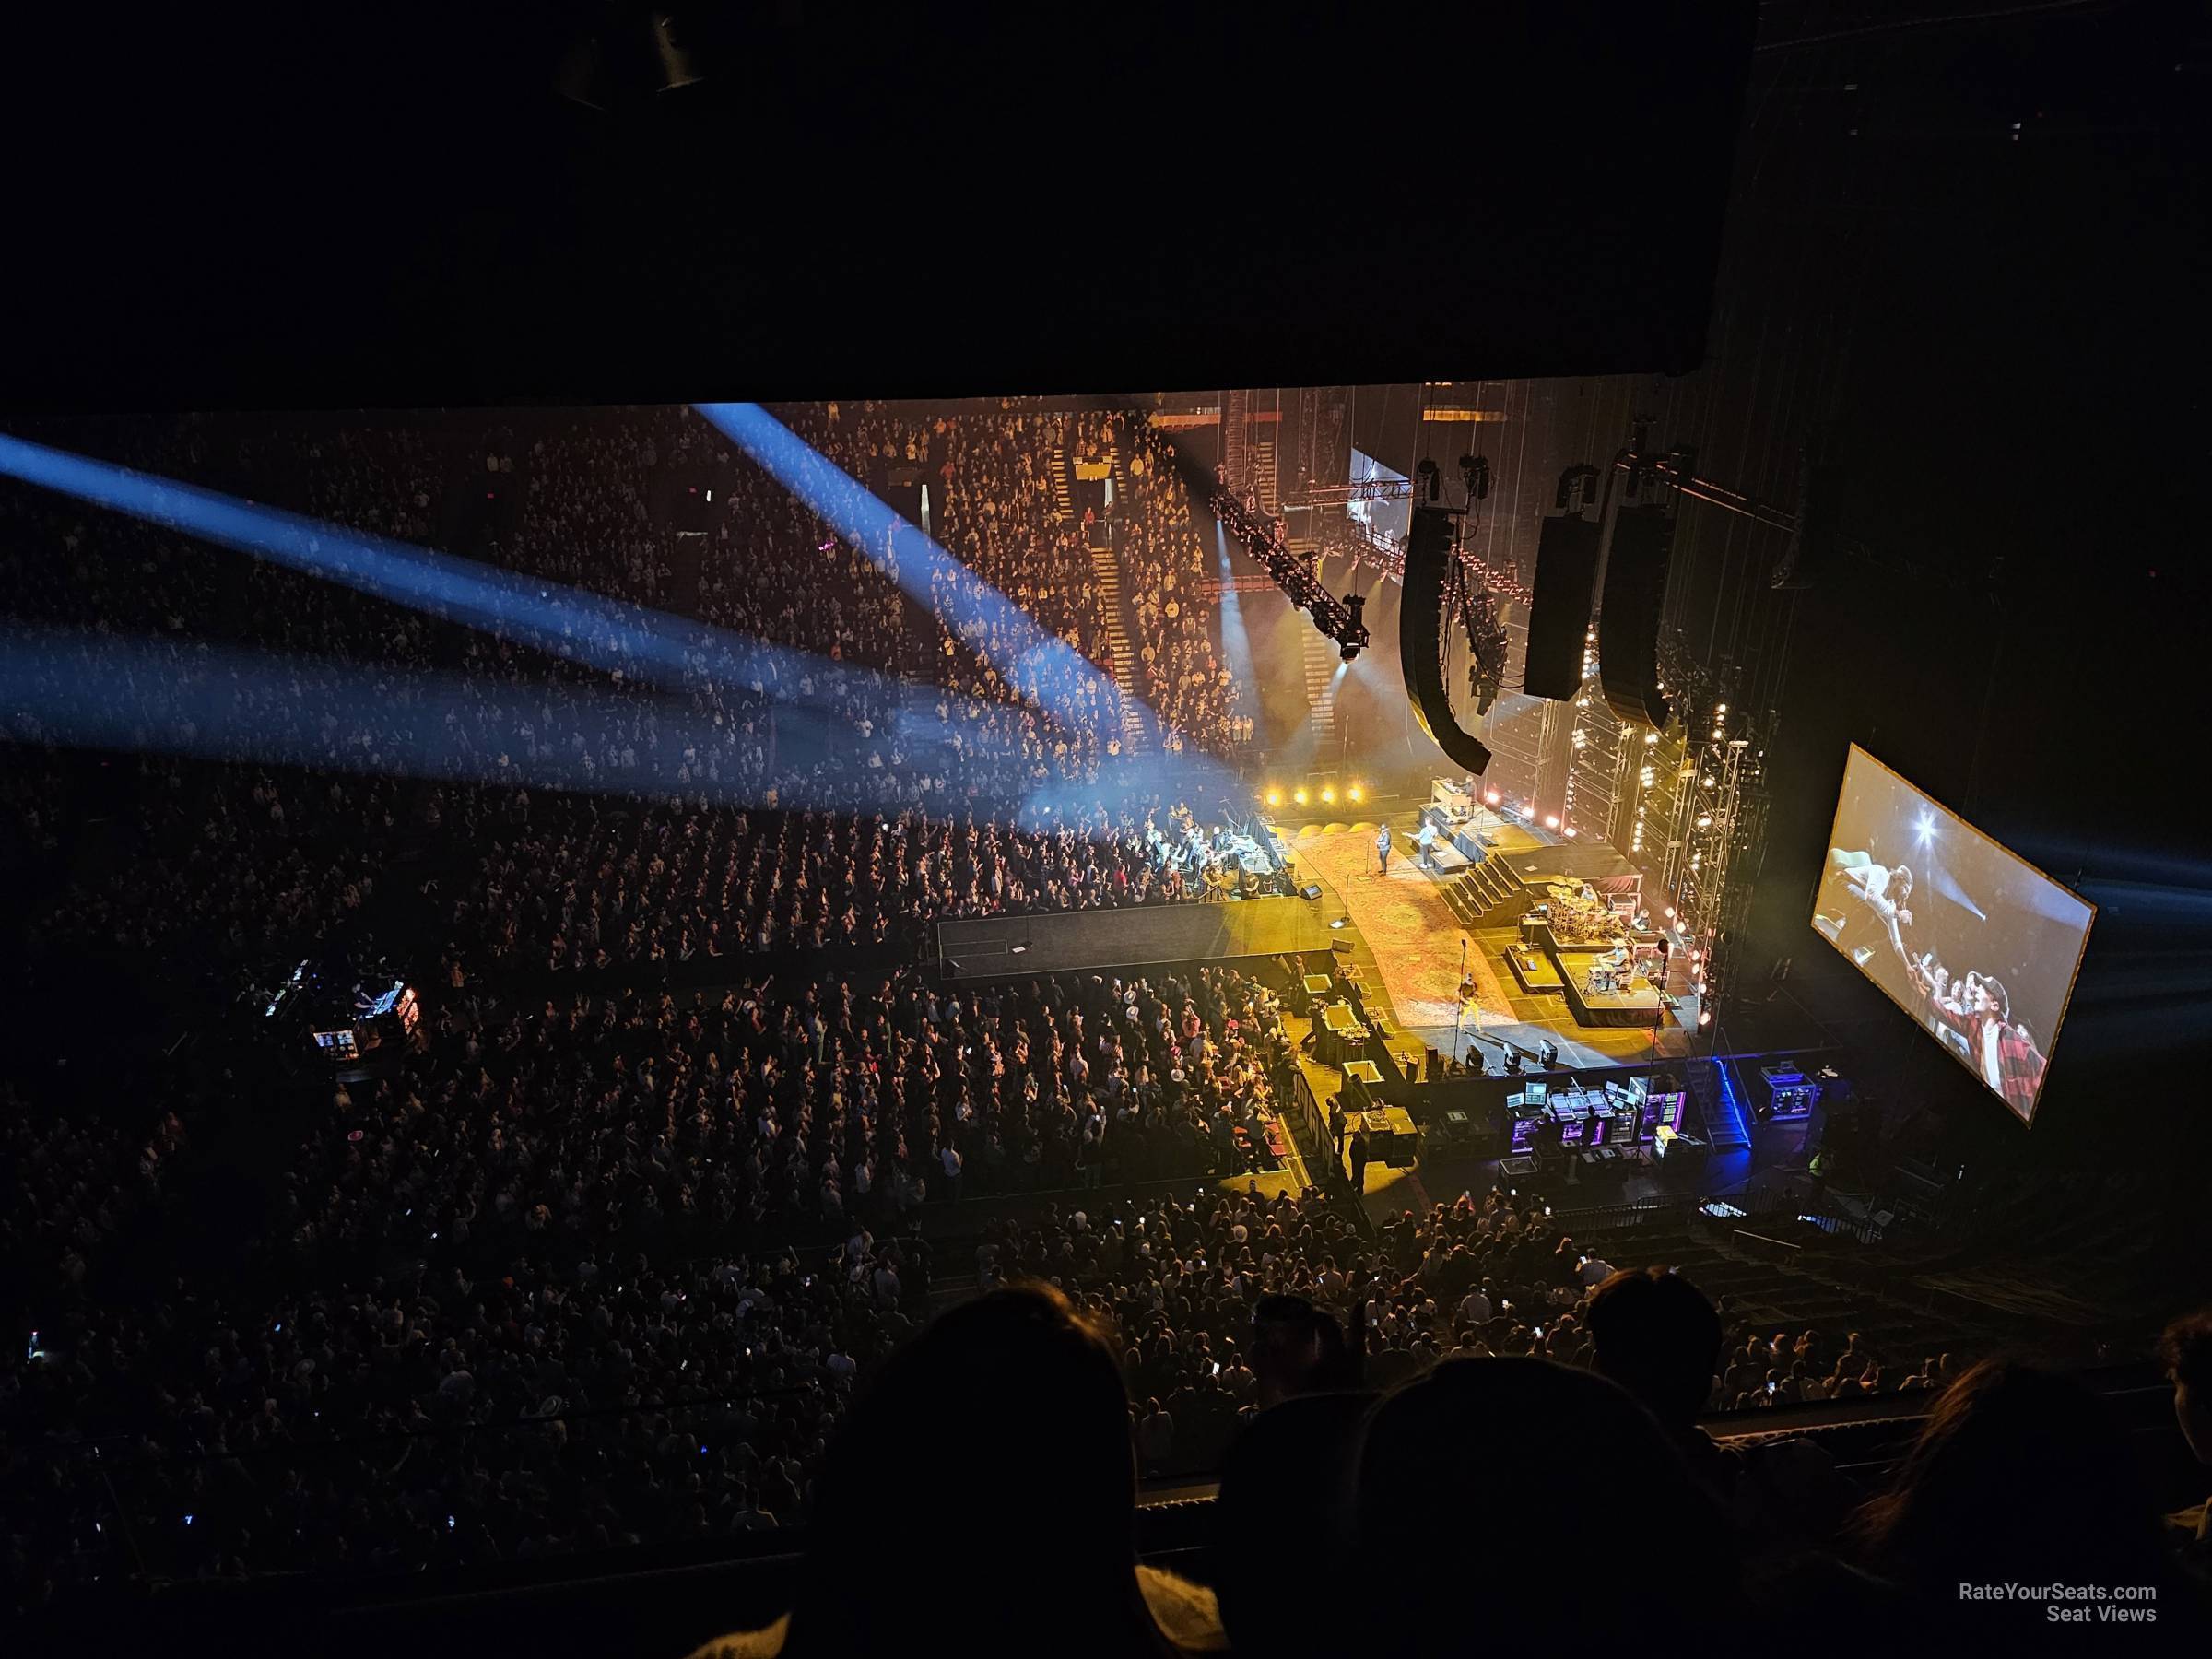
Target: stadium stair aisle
(1263,472)
(1064,499)
(1106,564)
(1321,664)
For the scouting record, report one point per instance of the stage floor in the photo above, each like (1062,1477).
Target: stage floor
(1151,935)
(1415,939)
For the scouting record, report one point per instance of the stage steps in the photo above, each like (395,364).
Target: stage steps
(1723,1101)
(1064,495)
(1488,895)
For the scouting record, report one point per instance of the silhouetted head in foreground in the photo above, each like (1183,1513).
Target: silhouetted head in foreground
(1655,1334)
(1298,1349)
(980,1495)
(1491,1461)
(2019,1476)
(2185,1351)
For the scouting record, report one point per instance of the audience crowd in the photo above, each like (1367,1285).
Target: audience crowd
(630,1248)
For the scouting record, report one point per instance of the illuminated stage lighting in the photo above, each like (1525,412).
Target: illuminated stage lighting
(1705,1016)
(1046,671)
(236,705)
(1491,797)
(1299,795)
(1551,821)
(563,621)
(1328,795)
(1275,797)
(623,641)
(1358,795)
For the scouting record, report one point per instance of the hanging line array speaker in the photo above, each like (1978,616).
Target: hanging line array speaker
(1559,611)
(1429,555)
(1628,615)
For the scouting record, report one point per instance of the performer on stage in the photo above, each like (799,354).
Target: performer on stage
(1425,841)
(1382,851)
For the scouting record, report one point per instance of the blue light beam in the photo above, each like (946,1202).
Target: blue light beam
(626,641)
(86,690)
(1042,668)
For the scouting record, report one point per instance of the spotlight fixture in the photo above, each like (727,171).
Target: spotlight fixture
(1551,820)
(1358,795)
(1328,795)
(1299,795)
(1275,797)
(1491,797)
(1705,1016)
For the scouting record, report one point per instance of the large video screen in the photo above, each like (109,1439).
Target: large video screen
(1971,940)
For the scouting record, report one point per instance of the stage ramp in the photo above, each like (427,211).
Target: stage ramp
(1001,948)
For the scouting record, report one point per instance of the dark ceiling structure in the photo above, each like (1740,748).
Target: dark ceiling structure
(414,205)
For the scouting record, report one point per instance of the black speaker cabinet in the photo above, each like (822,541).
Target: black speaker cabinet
(1628,616)
(1559,611)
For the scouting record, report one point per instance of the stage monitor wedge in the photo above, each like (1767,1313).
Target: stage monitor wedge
(1559,611)
(1429,556)
(1628,615)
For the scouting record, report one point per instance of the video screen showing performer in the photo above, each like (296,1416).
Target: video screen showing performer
(1970,939)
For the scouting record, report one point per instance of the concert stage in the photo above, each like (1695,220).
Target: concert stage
(999,948)
(1415,923)
(1565,974)
(1635,1003)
